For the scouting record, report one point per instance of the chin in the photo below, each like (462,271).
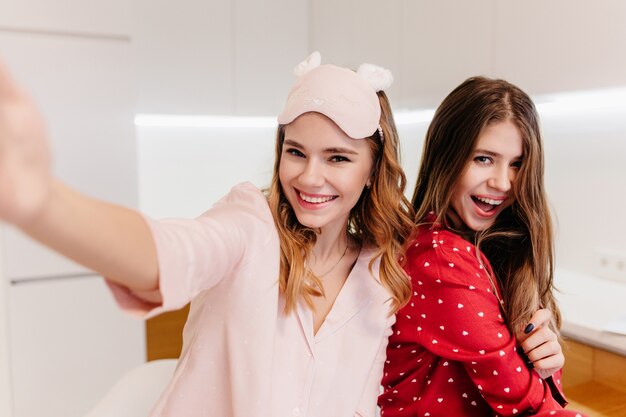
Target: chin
(480,226)
(307,221)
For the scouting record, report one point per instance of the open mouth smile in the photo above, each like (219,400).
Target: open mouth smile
(486,205)
(314,198)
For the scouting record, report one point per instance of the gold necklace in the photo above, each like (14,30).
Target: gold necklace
(336,263)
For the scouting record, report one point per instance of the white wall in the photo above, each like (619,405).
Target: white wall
(183,171)
(585,177)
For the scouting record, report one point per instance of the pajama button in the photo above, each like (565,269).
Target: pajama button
(296,412)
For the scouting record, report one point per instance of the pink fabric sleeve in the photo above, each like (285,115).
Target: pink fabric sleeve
(196,254)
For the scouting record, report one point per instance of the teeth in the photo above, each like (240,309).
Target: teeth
(490,201)
(315,200)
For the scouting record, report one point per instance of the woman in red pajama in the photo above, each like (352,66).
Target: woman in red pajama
(481,267)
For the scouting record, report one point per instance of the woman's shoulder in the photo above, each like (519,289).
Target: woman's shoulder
(243,212)
(441,254)
(433,238)
(244,199)
(244,193)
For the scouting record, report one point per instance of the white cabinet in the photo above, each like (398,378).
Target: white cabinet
(443,43)
(220,56)
(430,47)
(85,90)
(270,39)
(69,344)
(62,341)
(112,18)
(184,56)
(561,45)
(349,33)
(6,386)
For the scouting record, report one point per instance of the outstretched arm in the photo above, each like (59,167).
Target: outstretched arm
(109,239)
(112,240)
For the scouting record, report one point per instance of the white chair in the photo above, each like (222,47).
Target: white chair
(136,393)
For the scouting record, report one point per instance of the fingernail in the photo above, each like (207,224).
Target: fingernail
(529,328)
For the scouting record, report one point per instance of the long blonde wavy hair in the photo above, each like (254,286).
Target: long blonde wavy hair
(519,245)
(382,219)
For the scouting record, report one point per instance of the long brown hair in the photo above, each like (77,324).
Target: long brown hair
(519,245)
(382,219)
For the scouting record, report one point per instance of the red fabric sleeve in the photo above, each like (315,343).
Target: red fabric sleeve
(458,317)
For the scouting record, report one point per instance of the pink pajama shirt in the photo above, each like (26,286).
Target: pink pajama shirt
(242,357)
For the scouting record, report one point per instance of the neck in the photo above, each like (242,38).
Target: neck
(456,225)
(330,242)
(454,220)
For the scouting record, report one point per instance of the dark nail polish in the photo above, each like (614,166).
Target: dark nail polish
(529,328)
(525,358)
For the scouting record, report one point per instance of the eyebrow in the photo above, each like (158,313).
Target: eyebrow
(295,144)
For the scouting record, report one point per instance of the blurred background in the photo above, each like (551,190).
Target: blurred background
(164,106)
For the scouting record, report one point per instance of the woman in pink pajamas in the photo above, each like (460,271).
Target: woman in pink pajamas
(292,290)
(481,265)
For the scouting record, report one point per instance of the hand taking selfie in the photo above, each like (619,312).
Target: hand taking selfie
(24,154)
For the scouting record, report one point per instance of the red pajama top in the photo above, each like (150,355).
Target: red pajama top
(451,352)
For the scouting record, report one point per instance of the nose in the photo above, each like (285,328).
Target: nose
(502,179)
(312,174)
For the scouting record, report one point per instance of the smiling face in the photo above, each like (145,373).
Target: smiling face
(483,190)
(322,171)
